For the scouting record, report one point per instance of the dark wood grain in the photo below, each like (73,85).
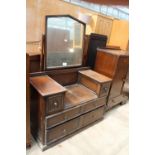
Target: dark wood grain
(46,86)
(115,64)
(35,58)
(98,83)
(28,131)
(77,94)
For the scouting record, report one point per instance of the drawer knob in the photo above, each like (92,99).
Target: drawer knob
(55,103)
(64,130)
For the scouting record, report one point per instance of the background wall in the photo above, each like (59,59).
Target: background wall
(120,34)
(36,10)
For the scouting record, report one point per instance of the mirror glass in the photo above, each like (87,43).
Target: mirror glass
(64,42)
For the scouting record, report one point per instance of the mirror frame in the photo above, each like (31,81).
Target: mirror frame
(45,42)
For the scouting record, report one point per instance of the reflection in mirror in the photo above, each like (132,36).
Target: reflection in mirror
(64,42)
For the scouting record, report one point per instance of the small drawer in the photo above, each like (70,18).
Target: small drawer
(54,104)
(62,117)
(61,130)
(104,89)
(93,104)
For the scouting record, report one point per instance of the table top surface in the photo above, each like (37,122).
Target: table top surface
(46,86)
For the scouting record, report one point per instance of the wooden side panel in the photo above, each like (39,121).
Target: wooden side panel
(28,132)
(35,63)
(65,76)
(106,64)
(120,76)
(37,115)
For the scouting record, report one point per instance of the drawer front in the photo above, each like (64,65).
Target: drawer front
(104,90)
(62,117)
(61,130)
(72,113)
(88,106)
(54,104)
(91,117)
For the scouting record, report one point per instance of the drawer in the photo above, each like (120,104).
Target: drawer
(93,104)
(91,117)
(54,104)
(62,117)
(98,83)
(101,101)
(104,89)
(61,130)
(88,106)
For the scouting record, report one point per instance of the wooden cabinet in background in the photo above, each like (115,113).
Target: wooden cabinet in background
(114,64)
(104,25)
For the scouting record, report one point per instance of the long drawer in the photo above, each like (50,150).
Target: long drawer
(66,115)
(62,130)
(73,125)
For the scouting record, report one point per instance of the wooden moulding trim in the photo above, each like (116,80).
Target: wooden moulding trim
(64,71)
(58,71)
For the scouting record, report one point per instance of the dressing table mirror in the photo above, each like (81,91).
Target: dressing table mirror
(63,42)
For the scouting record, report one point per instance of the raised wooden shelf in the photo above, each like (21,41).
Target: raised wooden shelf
(98,83)
(46,86)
